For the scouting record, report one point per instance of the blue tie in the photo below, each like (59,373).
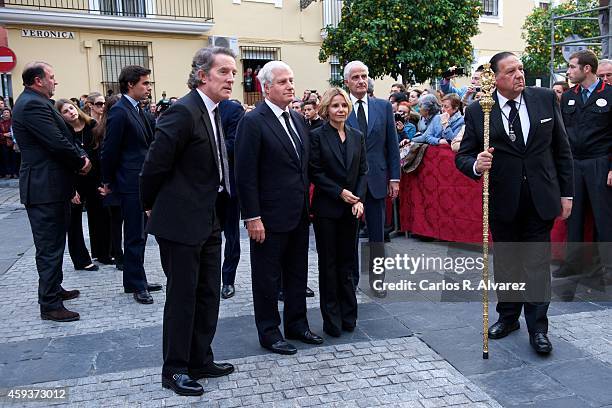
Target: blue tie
(585,95)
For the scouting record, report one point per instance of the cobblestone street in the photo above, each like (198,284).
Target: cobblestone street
(404,353)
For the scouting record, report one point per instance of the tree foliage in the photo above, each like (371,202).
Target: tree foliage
(537,34)
(417,39)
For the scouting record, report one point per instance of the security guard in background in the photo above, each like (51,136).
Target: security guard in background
(587,114)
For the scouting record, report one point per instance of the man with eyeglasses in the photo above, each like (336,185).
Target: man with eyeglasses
(604,71)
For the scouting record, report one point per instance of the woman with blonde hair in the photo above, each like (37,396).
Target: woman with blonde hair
(338,169)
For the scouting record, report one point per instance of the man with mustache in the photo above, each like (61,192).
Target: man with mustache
(271,154)
(531,177)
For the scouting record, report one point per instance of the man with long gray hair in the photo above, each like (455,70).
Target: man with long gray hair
(271,153)
(189,146)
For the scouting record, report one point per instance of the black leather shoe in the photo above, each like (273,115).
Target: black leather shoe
(348,328)
(309,292)
(281,347)
(213,370)
(143,297)
(500,330)
(152,287)
(182,384)
(89,268)
(68,294)
(227,291)
(307,337)
(380,293)
(332,331)
(540,343)
(119,266)
(106,261)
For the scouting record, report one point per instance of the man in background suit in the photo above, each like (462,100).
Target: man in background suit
(50,159)
(229,208)
(531,174)
(272,180)
(587,114)
(184,176)
(374,117)
(127,139)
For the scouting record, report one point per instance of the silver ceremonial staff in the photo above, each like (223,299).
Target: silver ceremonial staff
(487,83)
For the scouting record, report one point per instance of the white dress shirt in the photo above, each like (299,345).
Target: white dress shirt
(356,105)
(210,107)
(278,112)
(523,114)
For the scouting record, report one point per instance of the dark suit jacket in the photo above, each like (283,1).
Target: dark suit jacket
(381,144)
(589,125)
(231,114)
(546,161)
(124,149)
(50,157)
(271,182)
(330,174)
(180,178)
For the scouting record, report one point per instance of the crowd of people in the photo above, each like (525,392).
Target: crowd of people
(188,170)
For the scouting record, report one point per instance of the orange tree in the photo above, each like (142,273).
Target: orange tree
(536,33)
(417,39)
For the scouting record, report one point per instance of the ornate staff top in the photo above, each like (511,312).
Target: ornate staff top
(487,83)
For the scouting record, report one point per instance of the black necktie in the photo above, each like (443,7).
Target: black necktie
(296,139)
(361,118)
(222,151)
(514,125)
(145,123)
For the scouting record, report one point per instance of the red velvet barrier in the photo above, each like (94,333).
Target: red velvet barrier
(438,201)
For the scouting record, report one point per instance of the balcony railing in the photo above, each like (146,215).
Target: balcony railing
(199,10)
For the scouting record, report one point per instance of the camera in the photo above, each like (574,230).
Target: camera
(459,71)
(399,117)
(477,89)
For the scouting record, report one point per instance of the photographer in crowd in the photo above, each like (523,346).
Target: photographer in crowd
(468,94)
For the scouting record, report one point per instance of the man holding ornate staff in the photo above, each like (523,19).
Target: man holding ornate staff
(531,173)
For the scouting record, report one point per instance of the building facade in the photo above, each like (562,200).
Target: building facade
(89,41)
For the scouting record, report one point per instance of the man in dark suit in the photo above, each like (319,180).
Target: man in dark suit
(587,114)
(272,181)
(128,135)
(530,167)
(185,174)
(50,160)
(229,207)
(374,117)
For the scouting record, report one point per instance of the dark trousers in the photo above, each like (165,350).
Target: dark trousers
(134,241)
(192,302)
(374,211)
(281,255)
(8,161)
(590,188)
(99,221)
(116,227)
(49,223)
(337,264)
(228,210)
(522,254)
(76,243)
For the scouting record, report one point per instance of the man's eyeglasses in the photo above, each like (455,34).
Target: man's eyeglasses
(99,104)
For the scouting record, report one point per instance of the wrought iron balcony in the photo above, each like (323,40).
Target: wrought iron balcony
(187,16)
(172,9)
